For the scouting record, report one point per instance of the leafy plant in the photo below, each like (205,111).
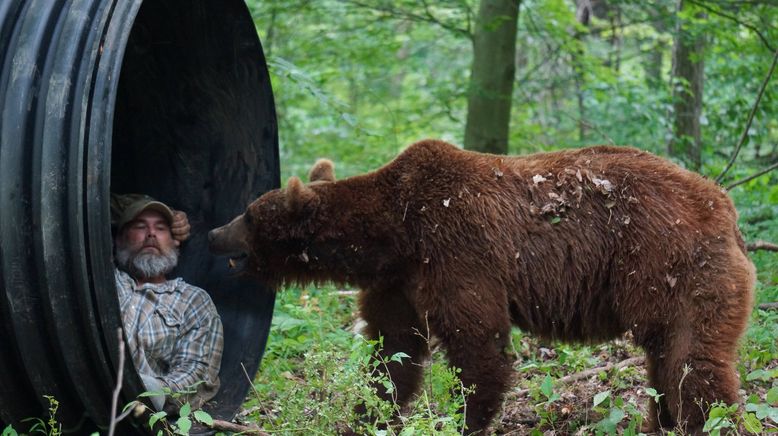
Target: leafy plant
(185,416)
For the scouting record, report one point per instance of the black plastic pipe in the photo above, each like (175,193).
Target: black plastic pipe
(166,97)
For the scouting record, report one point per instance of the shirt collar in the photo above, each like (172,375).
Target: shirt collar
(165,287)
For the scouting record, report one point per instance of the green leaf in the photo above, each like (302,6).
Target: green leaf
(752,424)
(547,387)
(186,409)
(398,357)
(717,420)
(388,385)
(653,394)
(204,417)
(772,396)
(763,411)
(156,417)
(602,396)
(9,431)
(762,374)
(556,220)
(611,421)
(184,424)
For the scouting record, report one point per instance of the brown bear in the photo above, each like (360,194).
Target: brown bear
(576,245)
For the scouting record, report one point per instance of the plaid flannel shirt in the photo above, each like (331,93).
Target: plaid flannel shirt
(173,331)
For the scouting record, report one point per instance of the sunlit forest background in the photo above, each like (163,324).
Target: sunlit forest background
(357,81)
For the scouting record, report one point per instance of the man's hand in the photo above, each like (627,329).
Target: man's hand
(180,227)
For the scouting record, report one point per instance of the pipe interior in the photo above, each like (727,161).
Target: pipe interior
(194,127)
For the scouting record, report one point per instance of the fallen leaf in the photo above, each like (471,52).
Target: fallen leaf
(603,184)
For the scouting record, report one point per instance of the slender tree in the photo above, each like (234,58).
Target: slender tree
(687,80)
(492,76)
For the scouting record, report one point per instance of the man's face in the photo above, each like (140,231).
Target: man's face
(149,232)
(145,247)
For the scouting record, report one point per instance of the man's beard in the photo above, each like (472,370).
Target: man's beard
(146,265)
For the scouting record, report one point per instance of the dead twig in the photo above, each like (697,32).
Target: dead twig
(118,388)
(750,119)
(632,361)
(768,306)
(236,428)
(761,245)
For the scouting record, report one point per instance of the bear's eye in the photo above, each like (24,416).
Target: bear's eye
(247,219)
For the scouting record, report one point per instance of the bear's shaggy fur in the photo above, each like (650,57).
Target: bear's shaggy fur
(576,245)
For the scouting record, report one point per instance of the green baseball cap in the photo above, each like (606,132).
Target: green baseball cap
(147,203)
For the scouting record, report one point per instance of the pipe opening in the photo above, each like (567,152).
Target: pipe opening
(194,126)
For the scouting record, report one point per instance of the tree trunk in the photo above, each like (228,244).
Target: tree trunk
(687,81)
(654,58)
(492,76)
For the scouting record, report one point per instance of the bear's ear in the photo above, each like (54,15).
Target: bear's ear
(299,198)
(322,171)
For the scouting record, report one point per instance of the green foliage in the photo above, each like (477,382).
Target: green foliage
(49,427)
(312,360)
(185,417)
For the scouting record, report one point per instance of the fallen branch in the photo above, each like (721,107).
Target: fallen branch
(632,361)
(761,245)
(236,428)
(768,306)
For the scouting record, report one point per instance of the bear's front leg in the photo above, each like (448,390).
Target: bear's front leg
(390,315)
(476,345)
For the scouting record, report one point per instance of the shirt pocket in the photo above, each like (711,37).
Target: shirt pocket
(162,337)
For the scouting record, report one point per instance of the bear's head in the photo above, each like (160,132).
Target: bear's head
(276,229)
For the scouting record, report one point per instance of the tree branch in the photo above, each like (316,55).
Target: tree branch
(761,245)
(753,176)
(750,119)
(632,361)
(428,17)
(735,19)
(236,428)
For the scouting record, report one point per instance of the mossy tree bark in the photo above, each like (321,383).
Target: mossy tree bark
(492,76)
(688,77)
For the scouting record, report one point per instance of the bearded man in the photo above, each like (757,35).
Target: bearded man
(174,333)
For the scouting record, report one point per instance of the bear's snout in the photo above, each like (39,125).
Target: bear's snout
(230,239)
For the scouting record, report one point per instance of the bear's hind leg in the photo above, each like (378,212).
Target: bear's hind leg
(658,413)
(694,374)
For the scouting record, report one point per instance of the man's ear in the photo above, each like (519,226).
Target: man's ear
(300,198)
(322,171)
